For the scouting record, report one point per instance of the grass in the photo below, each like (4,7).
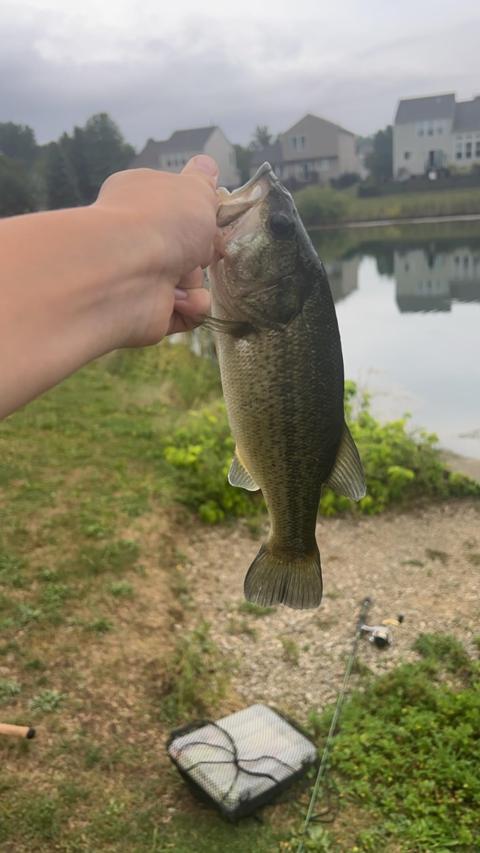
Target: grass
(195,680)
(92,583)
(406,757)
(319,206)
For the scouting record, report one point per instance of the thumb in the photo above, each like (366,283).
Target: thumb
(205,165)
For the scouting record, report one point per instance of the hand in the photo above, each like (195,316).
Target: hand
(171,223)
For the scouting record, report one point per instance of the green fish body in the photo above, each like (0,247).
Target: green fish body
(281,365)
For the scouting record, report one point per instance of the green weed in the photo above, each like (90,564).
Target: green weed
(101,625)
(196,678)
(8,689)
(291,652)
(121,589)
(256,610)
(47,701)
(440,556)
(241,626)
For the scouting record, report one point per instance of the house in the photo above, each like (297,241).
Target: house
(435,132)
(312,150)
(172,154)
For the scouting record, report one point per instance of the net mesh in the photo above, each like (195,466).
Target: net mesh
(243,760)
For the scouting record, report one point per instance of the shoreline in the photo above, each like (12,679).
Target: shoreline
(461,464)
(401,220)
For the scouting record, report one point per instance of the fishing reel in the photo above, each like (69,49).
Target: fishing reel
(381,635)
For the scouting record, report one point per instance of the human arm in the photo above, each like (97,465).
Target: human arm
(77,283)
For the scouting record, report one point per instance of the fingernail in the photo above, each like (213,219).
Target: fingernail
(206,164)
(180,293)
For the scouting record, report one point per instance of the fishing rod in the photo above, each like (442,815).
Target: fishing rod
(17,731)
(359,631)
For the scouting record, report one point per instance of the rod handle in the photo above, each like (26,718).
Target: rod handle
(17,731)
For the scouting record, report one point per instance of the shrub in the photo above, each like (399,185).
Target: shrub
(201,451)
(400,466)
(321,205)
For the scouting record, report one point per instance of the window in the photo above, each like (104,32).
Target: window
(439,128)
(430,129)
(468,150)
(477,149)
(293,140)
(169,163)
(406,155)
(420,129)
(302,142)
(459,151)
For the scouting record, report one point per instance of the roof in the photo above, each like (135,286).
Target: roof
(188,141)
(323,120)
(425,109)
(270,153)
(147,158)
(467,115)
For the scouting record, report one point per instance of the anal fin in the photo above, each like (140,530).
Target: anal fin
(347,477)
(239,476)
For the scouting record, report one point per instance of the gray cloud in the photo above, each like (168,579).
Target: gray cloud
(155,82)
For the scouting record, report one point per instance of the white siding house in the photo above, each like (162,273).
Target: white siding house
(433,133)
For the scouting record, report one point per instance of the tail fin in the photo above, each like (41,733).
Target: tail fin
(276,579)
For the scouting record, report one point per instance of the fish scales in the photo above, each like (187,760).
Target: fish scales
(281,365)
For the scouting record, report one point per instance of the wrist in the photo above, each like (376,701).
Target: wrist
(135,286)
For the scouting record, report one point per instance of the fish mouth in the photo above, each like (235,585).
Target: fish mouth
(235,204)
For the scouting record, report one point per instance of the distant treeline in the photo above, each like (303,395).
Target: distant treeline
(65,173)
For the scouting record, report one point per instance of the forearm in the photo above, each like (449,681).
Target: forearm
(61,277)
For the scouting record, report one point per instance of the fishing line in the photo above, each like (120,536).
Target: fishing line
(322,770)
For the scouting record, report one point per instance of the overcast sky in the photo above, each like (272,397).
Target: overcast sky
(159,65)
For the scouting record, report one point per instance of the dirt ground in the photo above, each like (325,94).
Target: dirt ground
(424,565)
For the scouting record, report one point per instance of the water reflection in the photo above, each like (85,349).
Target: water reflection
(428,279)
(409,314)
(343,276)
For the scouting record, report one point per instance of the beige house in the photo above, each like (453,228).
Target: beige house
(313,149)
(434,133)
(172,154)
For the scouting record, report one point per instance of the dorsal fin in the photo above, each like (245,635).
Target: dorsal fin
(347,477)
(239,476)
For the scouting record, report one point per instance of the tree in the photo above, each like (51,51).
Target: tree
(380,160)
(262,136)
(244,157)
(74,148)
(17,141)
(16,195)
(61,190)
(105,151)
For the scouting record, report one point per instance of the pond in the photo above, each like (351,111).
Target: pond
(408,307)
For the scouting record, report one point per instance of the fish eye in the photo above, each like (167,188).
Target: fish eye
(281,225)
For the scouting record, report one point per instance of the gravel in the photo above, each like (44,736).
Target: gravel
(423,564)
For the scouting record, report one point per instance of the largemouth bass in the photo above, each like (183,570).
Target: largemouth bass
(281,366)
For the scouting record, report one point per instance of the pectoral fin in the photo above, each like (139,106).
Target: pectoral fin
(347,477)
(236,328)
(239,476)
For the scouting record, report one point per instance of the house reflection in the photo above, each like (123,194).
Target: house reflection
(343,276)
(428,279)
